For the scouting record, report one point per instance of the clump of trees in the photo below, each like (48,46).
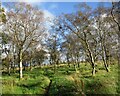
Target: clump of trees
(25,29)
(88,35)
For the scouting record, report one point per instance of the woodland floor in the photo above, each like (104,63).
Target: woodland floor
(65,82)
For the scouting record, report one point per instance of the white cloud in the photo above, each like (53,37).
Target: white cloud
(30,1)
(49,20)
(48,14)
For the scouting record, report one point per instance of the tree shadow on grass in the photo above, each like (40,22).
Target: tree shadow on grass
(87,76)
(64,88)
(30,85)
(34,88)
(94,87)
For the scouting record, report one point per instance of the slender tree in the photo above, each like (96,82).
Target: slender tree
(79,24)
(25,26)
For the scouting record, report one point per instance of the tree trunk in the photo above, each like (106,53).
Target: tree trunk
(9,70)
(8,67)
(75,68)
(50,61)
(14,64)
(68,61)
(31,64)
(39,63)
(93,65)
(13,67)
(91,59)
(104,61)
(78,64)
(68,64)
(104,57)
(13,58)
(20,62)
(93,71)
(54,67)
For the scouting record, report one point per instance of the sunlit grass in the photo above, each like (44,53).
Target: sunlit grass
(65,81)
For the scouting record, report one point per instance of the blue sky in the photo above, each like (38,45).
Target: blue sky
(67,7)
(56,8)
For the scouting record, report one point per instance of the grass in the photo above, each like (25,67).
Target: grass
(65,82)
